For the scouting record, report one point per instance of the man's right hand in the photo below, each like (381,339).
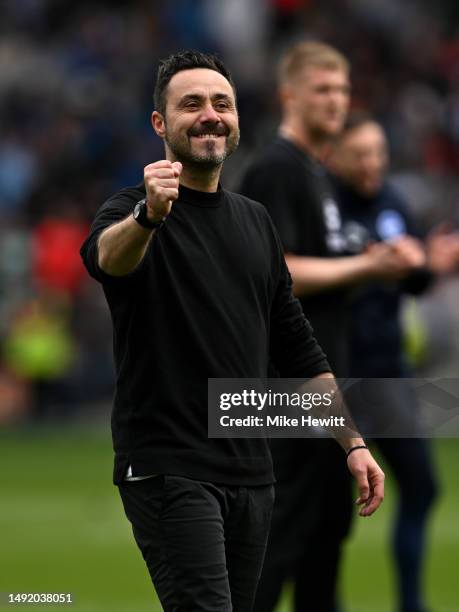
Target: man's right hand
(162,187)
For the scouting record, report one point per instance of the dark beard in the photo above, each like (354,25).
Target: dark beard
(182,151)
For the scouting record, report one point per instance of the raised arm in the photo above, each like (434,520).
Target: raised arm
(122,246)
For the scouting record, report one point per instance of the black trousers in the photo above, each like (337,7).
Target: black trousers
(203,543)
(311,518)
(412,466)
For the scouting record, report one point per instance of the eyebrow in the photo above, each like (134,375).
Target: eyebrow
(198,98)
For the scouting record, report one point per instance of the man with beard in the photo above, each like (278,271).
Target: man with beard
(377,212)
(197,286)
(311,518)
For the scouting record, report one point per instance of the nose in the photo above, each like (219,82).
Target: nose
(209,114)
(339,96)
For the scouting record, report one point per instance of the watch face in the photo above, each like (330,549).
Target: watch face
(136,212)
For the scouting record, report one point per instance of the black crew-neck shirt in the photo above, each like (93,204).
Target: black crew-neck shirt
(296,190)
(212,298)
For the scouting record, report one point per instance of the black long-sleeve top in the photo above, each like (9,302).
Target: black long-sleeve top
(295,189)
(211,298)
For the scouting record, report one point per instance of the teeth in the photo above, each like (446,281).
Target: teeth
(208,135)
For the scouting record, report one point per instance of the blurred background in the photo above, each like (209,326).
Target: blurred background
(76,83)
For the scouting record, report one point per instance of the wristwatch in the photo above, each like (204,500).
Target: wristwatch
(140,215)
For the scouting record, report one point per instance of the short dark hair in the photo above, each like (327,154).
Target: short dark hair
(185,60)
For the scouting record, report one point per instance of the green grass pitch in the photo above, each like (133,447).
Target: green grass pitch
(62,529)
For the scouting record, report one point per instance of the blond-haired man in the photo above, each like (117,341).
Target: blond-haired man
(311,519)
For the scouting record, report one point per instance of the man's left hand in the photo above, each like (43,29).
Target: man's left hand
(370,480)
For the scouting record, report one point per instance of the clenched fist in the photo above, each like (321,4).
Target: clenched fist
(162,187)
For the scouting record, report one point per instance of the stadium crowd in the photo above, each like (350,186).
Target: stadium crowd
(75,100)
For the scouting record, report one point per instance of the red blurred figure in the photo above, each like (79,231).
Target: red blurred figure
(56,261)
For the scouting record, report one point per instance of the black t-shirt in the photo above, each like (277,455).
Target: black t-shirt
(297,193)
(211,298)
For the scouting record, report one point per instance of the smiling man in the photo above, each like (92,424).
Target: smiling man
(197,286)
(207,143)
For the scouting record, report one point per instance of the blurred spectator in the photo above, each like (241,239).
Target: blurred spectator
(39,348)
(55,260)
(377,213)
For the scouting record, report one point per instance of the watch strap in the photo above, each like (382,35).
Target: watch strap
(140,215)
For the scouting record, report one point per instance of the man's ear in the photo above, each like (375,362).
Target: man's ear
(159,124)
(285,94)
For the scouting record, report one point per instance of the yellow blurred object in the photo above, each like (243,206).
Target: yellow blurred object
(415,334)
(39,345)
